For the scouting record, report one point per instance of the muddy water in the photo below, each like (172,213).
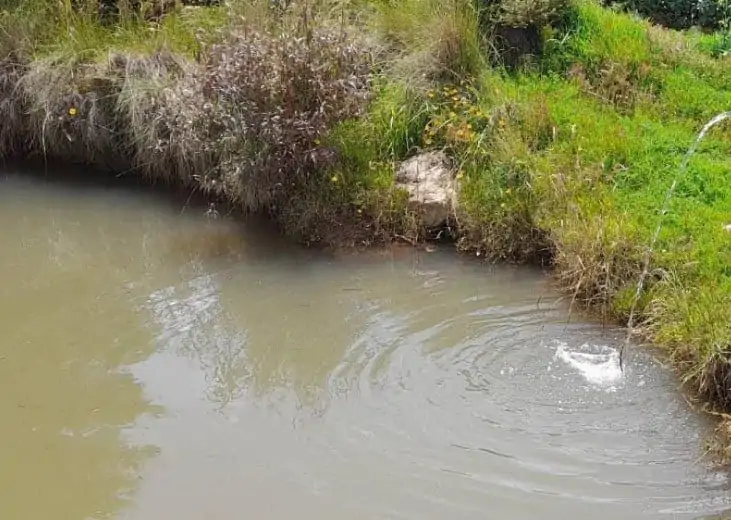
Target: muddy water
(157,364)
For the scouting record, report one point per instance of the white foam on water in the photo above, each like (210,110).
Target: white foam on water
(597,364)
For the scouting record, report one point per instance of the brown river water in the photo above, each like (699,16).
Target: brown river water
(157,364)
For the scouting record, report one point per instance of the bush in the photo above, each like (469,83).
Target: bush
(270,100)
(682,14)
(161,113)
(515,26)
(246,120)
(525,13)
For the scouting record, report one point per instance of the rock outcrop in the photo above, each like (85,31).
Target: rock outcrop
(429,178)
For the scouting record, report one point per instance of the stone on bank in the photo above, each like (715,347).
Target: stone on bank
(429,178)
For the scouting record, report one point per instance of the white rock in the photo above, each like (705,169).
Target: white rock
(430,181)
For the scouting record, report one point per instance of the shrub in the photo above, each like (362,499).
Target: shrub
(271,98)
(515,26)
(525,13)
(682,14)
(160,105)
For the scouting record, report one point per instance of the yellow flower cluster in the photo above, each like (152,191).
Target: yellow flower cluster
(455,118)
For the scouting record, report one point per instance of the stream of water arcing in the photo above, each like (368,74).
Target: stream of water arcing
(158,365)
(656,234)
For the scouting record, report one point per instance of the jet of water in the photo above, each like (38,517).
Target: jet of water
(648,253)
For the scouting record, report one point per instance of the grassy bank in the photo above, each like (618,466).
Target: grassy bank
(567,121)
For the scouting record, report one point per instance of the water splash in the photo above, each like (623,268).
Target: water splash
(648,253)
(597,364)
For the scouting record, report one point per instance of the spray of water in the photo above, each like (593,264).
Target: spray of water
(648,253)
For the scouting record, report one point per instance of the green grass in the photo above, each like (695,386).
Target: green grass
(47,28)
(567,158)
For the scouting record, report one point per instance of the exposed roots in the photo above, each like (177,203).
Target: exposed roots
(714,380)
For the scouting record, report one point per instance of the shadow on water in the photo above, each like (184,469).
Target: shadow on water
(77,255)
(84,178)
(65,408)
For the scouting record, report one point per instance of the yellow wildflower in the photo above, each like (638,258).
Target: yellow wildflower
(334,178)
(72,111)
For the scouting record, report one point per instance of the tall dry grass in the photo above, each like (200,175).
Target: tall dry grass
(13,64)
(246,118)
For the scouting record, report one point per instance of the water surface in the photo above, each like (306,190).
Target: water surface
(155,363)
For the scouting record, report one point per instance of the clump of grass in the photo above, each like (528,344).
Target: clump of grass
(71,114)
(598,262)
(13,65)
(430,41)
(681,310)
(162,112)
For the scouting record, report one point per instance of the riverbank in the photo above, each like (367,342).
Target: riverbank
(565,123)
